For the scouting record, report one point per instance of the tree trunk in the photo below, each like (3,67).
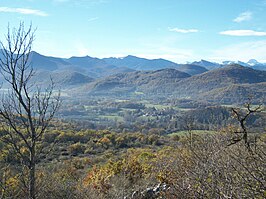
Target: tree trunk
(32,191)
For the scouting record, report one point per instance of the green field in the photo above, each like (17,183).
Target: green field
(112,117)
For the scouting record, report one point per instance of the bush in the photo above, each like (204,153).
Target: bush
(77,148)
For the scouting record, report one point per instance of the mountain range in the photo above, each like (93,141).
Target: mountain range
(226,82)
(106,66)
(96,67)
(86,68)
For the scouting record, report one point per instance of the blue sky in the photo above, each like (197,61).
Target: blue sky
(178,30)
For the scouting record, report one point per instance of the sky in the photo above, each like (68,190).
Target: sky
(177,30)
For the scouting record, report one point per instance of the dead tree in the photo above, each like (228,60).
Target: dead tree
(25,109)
(189,124)
(242,117)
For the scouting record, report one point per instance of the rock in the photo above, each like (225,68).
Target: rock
(150,192)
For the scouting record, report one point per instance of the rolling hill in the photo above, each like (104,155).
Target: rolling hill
(198,85)
(217,85)
(237,93)
(147,81)
(62,79)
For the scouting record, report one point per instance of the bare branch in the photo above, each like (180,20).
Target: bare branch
(26,110)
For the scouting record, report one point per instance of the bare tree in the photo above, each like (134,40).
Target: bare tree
(189,124)
(26,109)
(242,116)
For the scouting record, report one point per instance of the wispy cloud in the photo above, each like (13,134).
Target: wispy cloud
(243,33)
(93,19)
(183,30)
(24,11)
(244,16)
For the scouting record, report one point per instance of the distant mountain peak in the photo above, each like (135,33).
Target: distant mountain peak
(34,53)
(81,57)
(206,64)
(253,62)
(131,56)
(128,57)
(204,60)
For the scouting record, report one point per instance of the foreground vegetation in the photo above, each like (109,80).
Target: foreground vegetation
(103,164)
